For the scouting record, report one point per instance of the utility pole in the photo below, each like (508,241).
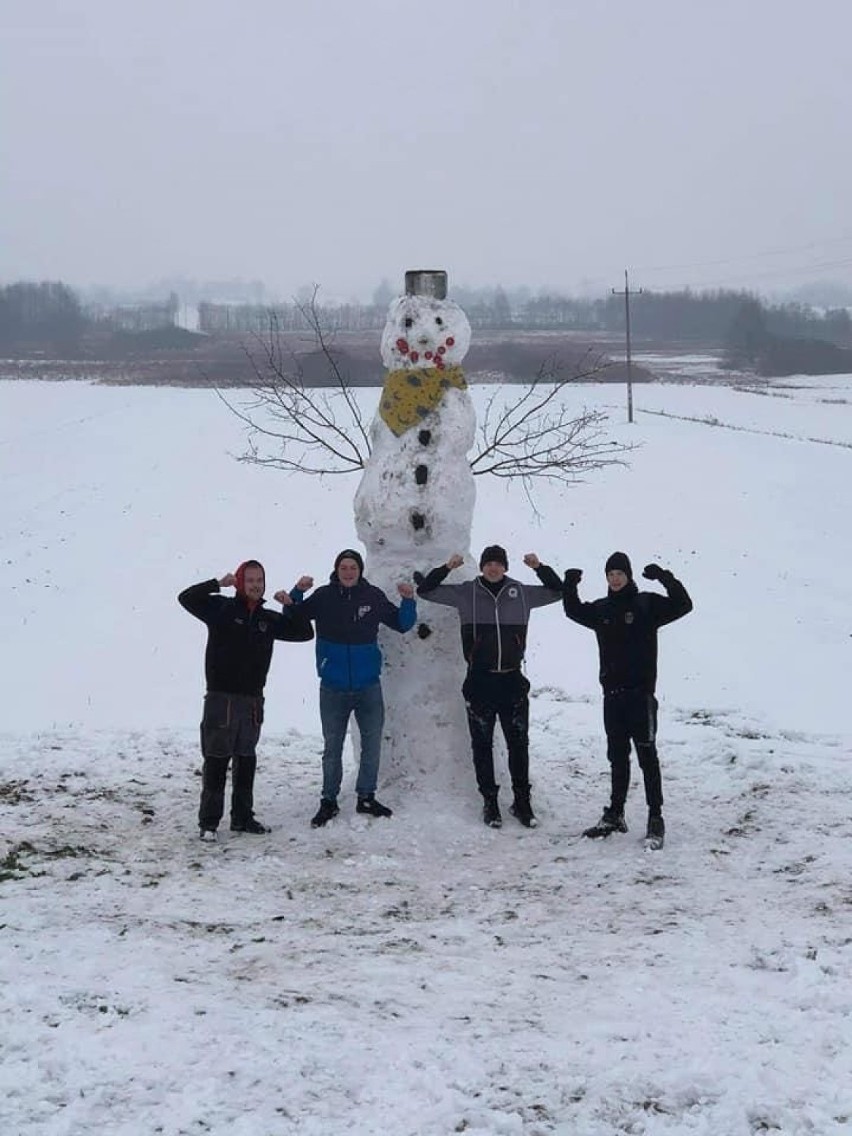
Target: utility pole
(627,294)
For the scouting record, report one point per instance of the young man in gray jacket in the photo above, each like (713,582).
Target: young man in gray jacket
(494,612)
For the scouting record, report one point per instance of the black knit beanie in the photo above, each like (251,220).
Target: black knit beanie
(619,562)
(350,554)
(496,553)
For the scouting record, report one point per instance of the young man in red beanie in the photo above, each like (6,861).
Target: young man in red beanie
(494,612)
(626,622)
(240,635)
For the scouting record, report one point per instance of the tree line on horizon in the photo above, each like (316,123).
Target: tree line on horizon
(704,318)
(750,332)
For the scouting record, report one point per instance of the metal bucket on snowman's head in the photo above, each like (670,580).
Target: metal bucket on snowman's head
(426,282)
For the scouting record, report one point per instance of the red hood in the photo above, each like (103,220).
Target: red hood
(240,576)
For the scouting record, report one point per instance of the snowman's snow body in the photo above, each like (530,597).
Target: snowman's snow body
(413,510)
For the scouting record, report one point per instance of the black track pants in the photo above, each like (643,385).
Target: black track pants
(631,716)
(489,697)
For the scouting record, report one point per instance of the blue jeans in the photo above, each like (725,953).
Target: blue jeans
(336,706)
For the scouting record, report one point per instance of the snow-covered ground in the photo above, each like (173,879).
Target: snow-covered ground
(425,975)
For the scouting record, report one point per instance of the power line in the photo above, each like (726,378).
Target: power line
(768,275)
(750,256)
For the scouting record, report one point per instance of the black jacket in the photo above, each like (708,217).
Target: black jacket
(626,625)
(239,641)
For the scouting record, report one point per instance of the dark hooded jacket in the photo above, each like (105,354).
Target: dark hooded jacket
(626,625)
(240,638)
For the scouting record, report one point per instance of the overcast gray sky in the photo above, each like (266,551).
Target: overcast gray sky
(539,142)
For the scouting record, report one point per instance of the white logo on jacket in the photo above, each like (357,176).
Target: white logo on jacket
(364,609)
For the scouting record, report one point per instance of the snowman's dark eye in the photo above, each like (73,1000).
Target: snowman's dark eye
(439,321)
(409,322)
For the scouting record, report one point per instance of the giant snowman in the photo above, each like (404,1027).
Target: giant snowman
(413,510)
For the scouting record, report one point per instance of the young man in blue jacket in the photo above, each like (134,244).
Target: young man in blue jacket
(347,612)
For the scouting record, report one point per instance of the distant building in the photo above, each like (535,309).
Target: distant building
(137,317)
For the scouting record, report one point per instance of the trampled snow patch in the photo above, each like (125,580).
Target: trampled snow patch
(426,968)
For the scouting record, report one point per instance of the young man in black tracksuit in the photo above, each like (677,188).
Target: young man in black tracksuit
(626,622)
(494,612)
(241,633)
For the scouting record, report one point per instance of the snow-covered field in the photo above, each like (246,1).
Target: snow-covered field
(425,975)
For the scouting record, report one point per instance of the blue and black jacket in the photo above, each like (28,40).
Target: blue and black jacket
(347,625)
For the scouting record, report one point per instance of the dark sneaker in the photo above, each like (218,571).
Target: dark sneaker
(655,834)
(251,825)
(611,821)
(372,807)
(521,809)
(327,811)
(208,835)
(491,813)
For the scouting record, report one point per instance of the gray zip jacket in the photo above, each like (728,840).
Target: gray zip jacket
(493,623)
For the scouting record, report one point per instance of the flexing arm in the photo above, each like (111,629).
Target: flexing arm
(551,592)
(675,604)
(431,580)
(203,600)
(575,609)
(307,605)
(293,625)
(549,578)
(432,587)
(400,618)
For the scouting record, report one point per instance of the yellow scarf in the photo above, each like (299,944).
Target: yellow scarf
(408,396)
